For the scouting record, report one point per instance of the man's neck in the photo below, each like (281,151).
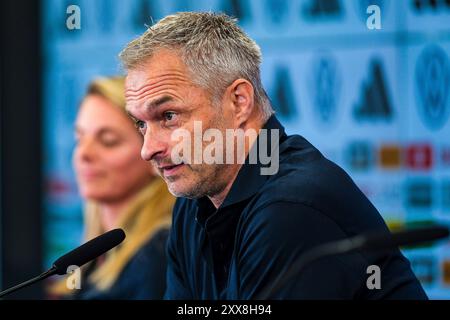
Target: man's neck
(218,198)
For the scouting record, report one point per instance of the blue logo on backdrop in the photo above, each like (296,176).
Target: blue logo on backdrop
(283,96)
(325,87)
(419,194)
(359,156)
(374,103)
(322,9)
(432,85)
(430,6)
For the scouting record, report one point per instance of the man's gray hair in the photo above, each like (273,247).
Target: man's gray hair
(215,50)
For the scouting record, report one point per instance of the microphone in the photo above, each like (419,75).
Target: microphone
(371,241)
(78,257)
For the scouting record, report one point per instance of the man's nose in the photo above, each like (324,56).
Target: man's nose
(153,146)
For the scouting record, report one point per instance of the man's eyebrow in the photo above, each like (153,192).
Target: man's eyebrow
(152,105)
(158,102)
(133,118)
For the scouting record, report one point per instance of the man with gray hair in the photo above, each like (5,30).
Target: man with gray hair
(236,231)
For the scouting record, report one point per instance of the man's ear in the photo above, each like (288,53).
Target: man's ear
(241,95)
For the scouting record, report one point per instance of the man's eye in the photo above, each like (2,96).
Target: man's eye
(140,125)
(169,115)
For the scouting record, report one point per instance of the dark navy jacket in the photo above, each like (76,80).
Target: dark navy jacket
(267,222)
(142,278)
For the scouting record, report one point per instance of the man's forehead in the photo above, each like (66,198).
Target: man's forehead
(140,86)
(160,63)
(137,79)
(141,74)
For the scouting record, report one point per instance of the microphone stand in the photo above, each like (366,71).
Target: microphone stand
(42,276)
(371,241)
(78,256)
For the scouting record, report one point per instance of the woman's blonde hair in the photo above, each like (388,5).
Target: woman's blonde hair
(149,211)
(110,88)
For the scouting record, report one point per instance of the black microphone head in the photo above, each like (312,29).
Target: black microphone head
(89,251)
(386,240)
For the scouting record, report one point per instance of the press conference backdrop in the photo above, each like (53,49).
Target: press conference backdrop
(375,101)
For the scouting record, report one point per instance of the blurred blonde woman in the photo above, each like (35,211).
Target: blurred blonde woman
(121,191)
